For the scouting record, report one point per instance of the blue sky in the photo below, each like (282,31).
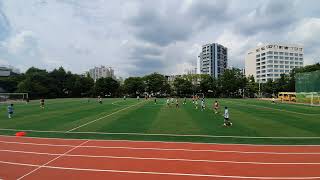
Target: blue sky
(139,37)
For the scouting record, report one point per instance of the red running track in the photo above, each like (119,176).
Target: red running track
(43,158)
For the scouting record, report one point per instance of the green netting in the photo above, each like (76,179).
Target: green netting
(308,87)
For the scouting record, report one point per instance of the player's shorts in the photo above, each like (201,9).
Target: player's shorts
(42,104)
(10,112)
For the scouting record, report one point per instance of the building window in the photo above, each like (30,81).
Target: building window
(286,66)
(269,52)
(281,66)
(281,57)
(287,58)
(276,66)
(276,62)
(263,54)
(286,62)
(275,53)
(275,57)
(291,58)
(286,54)
(300,55)
(280,53)
(291,54)
(258,55)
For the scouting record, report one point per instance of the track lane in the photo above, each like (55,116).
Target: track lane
(156,169)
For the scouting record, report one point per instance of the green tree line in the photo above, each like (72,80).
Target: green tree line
(59,83)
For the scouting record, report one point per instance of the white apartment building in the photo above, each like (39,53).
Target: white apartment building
(101,72)
(270,61)
(213,59)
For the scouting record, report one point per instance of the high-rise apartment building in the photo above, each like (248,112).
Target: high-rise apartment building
(271,60)
(213,59)
(101,72)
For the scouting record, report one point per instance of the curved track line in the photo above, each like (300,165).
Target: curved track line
(165,159)
(156,173)
(155,134)
(169,149)
(164,142)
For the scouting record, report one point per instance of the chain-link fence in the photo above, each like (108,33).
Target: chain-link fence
(308,87)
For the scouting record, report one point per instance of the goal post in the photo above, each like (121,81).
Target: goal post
(13,97)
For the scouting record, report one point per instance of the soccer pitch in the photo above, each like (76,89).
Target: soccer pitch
(254,121)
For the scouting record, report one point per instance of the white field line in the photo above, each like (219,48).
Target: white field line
(155,173)
(282,110)
(173,149)
(165,159)
(85,124)
(169,135)
(53,160)
(161,142)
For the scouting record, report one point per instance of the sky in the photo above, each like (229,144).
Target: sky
(137,37)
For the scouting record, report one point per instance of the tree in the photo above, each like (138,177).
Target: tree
(209,86)
(269,88)
(155,83)
(251,87)
(182,86)
(106,87)
(59,77)
(232,82)
(134,85)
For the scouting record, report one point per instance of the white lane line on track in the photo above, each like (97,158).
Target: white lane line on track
(53,160)
(166,159)
(172,149)
(168,135)
(166,142)
(155,173)
(90,122)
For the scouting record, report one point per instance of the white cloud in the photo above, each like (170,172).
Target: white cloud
(19,42)
(137,37)
(4,62)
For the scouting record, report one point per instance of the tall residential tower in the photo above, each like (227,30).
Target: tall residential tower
(271,60)
(213,59)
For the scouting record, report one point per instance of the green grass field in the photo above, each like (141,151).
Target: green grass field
(254,121)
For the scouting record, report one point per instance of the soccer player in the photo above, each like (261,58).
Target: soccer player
(42,103)
(99,100)
(124,98)
(168,102)
(192,99)
(196,103)
(138,98)
(203,106)
(273,100)
(155,100)
(172,101)
(185,100)
(10,111)
(177,103)
(216,107)
(227,122)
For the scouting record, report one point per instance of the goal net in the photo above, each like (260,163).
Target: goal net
(308,87)
(13,97)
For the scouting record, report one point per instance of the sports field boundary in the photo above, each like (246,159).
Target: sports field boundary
(90,122)
(167,135)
